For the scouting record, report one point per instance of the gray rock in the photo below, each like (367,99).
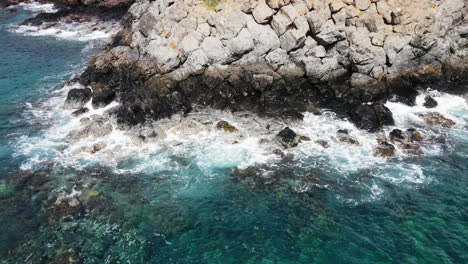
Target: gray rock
(231,23)
(281,22)
(362,4)
(330,34)
(385,11)
(241,44)
(97,127)
(265,39)
(214,50)
(318,18)
(189,43)
(276,4)
(163,54)
(262,13)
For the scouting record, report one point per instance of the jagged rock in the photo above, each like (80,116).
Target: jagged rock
(384,9)
(231,23)
(318,18)
(371,117)
(396,136)
(434,118)
(265,38)
(362,4)
(343,136)
(384,149)
(367,88)
(275,4)
(102,95)
(287,138)
(96,127)
(242,43)
(363,55)
(429,102)
(329,34)
(412,135)
(214,50)
(322,143)
(97,147)
(411,149)
(77,98)
(262,12)
(281,21)
(223,125)
(80,111)
(336,5)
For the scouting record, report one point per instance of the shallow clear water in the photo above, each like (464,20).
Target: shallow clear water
(195,197)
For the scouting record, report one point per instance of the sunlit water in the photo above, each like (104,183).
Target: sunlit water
(196,194)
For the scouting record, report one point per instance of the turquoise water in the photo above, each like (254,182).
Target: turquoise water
(205,201)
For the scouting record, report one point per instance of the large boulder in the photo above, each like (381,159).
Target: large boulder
(287,138)
(77,98)
(370,117)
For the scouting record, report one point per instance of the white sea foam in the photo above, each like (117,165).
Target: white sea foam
(85,31)
(36,7)
(196,139)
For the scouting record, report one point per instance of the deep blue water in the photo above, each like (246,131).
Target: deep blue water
(195,206)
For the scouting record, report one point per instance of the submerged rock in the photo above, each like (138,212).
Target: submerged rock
(95,127)
(412,149)
(77,98)
(371,117)
(223,125)
(322,143)
(384,149)
(343,136)
(97,147)
(429,102)
(80,111)
(434,118)
(412,135)
(287,138)
(396,136)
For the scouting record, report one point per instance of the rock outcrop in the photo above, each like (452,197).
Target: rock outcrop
(283,55)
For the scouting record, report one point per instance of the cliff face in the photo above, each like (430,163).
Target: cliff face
(279,56)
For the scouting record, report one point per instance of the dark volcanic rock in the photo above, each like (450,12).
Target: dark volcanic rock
(412,135)
(396,136)
(370,117)
(384,149)
(434,118)
(223,125)
(287,138)
(343,136)
(429,102)
(102,95)
(80,111)
(77,98)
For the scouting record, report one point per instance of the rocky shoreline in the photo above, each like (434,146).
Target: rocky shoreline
(281,57)
(274,58)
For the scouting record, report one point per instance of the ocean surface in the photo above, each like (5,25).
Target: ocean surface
(194,194)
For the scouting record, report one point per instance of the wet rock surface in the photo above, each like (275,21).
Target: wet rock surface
(384,149)
(434,118)
(77,98)
(343,136)
(287,138)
